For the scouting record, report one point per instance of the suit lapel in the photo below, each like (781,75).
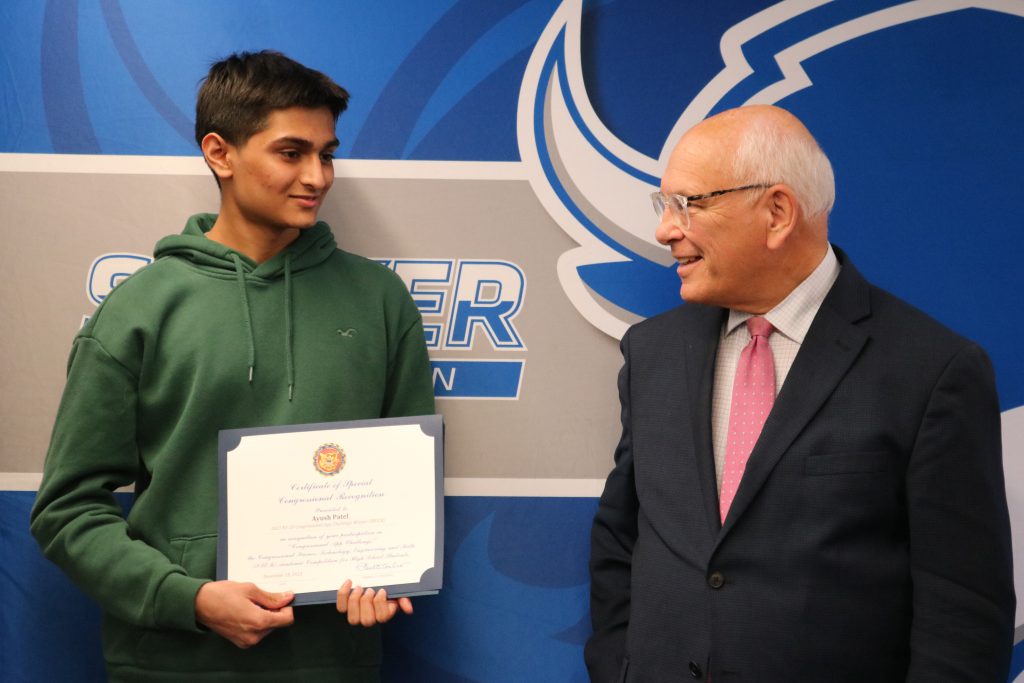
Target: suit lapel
(832,344)
(699,363)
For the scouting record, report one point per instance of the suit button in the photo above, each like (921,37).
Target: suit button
(695,670)
(716,580)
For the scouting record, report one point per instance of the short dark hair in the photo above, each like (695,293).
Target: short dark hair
(240,92)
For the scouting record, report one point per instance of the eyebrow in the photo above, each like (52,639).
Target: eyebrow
(303,143)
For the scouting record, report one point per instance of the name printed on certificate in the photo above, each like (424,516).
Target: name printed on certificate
(305,507)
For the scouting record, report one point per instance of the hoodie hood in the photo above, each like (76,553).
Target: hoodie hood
(313,246)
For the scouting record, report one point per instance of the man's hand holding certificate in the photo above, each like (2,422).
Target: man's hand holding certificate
(306,507)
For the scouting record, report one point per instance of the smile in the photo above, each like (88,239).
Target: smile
(687,260)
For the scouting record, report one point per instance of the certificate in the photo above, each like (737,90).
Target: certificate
(304,507)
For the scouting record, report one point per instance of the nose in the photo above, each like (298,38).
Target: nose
(315,175)
(668,231)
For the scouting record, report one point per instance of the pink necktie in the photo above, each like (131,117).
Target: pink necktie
(753,393)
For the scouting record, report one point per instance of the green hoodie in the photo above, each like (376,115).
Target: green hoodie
(205,339)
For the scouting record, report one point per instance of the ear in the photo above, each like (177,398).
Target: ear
(217,152)
(783,214)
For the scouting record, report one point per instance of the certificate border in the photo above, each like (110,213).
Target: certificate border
(432,426)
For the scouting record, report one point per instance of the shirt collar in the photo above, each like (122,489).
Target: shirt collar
(794,314)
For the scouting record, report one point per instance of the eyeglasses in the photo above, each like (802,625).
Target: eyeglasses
(678,204)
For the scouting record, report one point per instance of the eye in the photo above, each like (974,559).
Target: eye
(290,154)
(327,157)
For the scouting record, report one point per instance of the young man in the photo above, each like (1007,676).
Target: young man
(252,317)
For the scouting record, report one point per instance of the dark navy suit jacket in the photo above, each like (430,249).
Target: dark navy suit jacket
(869,540)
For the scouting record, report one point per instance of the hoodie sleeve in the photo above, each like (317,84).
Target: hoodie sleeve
(77,521)
(410,388)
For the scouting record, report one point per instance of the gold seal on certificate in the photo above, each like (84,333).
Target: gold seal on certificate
(369,507)
(329,459)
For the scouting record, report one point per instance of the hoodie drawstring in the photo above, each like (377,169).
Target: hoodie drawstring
(247,316)
(246,313)
(288,323)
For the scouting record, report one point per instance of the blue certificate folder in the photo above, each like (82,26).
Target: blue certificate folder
(305,507)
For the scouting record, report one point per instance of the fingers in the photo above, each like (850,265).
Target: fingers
(349,602)
(279,617)
(354,596)
(367,616)
(277,611)
(342,601)
(383,609)
(369,607)
(405,604)
(270,600)
(241,612)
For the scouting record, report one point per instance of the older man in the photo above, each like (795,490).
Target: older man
(809,482)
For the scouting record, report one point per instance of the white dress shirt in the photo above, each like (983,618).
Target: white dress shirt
(792,317)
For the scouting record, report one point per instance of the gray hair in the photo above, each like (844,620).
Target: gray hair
(769,154)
